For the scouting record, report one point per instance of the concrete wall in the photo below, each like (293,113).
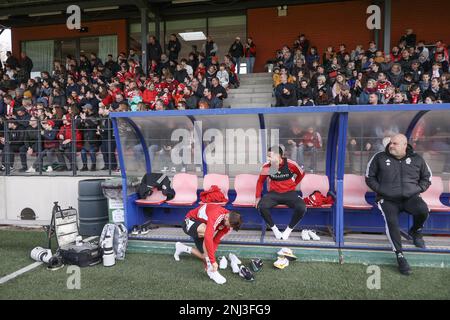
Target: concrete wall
(37,193)
(324,24)
(330,24)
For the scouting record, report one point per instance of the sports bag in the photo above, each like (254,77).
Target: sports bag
(120,238)
(155,180)
(317,199)
(84,255)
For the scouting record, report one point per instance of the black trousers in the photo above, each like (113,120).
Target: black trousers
(13,149)
(291,199)
(109,158)
(390,210)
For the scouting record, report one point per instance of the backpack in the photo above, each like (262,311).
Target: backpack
(120,238)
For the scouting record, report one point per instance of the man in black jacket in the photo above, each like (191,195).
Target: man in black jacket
(174,47)
(30,140)
(286,93)
(91,137)
(237,52)
(15,141)
(217,90)
(409,38)
(154,50)
(11,60)
(108,143)
(399,175)
(27,64)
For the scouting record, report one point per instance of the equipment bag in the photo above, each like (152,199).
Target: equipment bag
(317,199)
(155,180)
(84,255)
(120,238)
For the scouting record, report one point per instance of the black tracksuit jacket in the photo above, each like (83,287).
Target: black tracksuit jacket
(394,179)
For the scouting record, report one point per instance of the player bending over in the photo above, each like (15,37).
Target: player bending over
(207,225)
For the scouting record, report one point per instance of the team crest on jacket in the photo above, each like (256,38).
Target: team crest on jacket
(408,161)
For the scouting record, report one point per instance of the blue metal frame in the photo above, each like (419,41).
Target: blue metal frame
(342,143)
(335,153)
(284,110)
(331,150)
(123,170)
(414,122)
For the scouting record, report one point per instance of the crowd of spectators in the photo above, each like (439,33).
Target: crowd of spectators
(81,93)
(411,73)
(66,110)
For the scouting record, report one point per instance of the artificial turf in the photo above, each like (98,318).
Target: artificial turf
(153,276)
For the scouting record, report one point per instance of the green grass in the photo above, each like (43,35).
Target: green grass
(152,276)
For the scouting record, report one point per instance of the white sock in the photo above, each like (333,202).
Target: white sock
(286,233)
(276,232)
(180,248)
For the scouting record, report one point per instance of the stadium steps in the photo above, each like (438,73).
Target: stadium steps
(245,245)
(255,91)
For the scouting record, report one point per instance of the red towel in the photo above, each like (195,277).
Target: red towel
(213,195)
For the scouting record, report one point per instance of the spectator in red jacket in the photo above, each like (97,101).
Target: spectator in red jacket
(149,95)
(310,142)
(66,140)
(281,185)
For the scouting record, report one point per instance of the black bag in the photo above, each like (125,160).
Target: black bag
(84,255)
(155,180)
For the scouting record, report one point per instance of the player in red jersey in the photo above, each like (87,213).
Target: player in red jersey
(283,176)
(207,225)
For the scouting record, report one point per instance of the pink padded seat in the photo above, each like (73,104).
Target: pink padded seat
(185,186)
(431,196)
(156,198)
(245,186)
(355,189)
(220,180)
(313,182)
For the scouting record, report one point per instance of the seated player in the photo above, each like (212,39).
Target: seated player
(207,225)
(281,186)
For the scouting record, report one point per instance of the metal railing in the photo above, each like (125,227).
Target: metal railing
(74,151)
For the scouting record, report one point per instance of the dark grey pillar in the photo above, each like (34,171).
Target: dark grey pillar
(387,26)
(144,33)
(158,27)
